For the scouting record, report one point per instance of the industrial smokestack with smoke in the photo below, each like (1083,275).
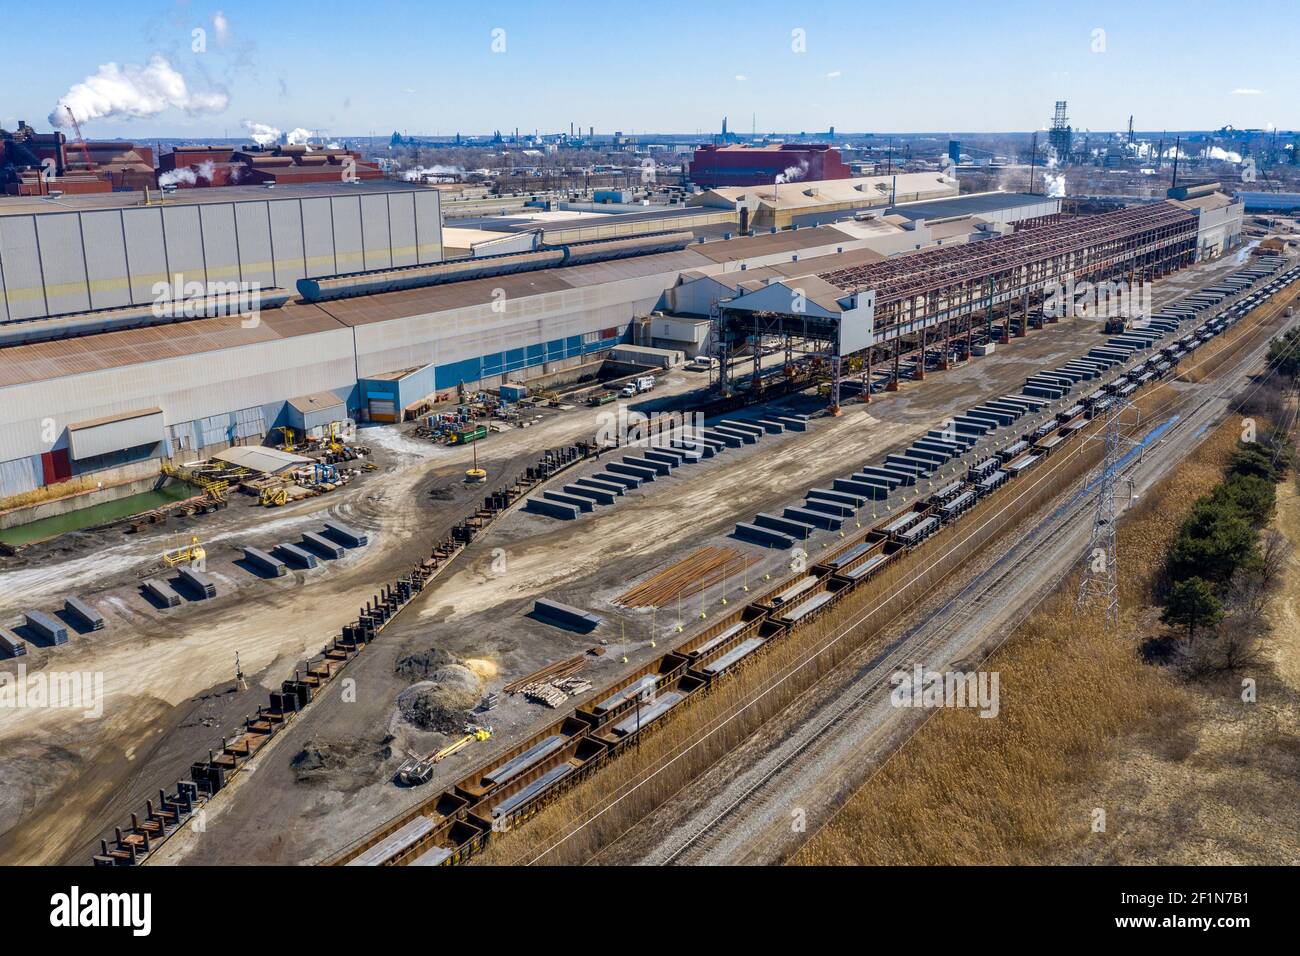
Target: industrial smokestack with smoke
(135,91)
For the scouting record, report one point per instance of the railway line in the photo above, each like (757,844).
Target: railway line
(740,780)
(825,753)
(453,825)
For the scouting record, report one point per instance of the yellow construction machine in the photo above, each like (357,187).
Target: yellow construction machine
(190,554)
(273,497)
(417,770)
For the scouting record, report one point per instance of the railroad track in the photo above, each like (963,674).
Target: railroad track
(919,644)
(1033,485)
(765,790)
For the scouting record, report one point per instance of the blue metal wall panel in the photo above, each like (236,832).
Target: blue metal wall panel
(451,375)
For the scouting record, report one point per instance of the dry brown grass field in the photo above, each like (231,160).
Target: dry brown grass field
(1185,773)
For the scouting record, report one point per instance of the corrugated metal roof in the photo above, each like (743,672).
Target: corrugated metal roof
(971,204)
(316,402)
(787,241)
(48,360)
(119,417)
(259,458)
(90,353)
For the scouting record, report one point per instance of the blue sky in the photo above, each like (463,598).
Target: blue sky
(357,68)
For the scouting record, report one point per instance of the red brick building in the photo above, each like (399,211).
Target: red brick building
(760,165)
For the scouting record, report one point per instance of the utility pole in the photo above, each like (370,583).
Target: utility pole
(1100,582)
(1033,160)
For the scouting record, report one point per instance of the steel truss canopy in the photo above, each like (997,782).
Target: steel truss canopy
(917,273)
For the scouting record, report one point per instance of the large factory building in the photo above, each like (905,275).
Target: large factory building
(761,165)
(360,316)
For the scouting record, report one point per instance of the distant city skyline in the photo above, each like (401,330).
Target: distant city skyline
(231,69)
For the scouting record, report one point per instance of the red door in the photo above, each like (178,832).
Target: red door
(56,466)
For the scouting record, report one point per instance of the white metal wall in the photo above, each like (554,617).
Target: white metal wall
(56,263)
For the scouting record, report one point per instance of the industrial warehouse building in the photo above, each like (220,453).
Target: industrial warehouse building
(1220,217)
(808,203)
(368,345)
(742,165)
(110,250)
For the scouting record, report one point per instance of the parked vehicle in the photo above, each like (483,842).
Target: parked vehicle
(645,383)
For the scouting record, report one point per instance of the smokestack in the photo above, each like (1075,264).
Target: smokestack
(1177,142)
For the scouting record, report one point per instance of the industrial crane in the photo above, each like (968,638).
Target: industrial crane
(81,140)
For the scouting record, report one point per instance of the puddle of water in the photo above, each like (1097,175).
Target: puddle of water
(98,514)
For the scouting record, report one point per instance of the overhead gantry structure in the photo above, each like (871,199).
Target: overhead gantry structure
(898,311)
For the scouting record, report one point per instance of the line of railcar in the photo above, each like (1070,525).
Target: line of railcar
(456,823)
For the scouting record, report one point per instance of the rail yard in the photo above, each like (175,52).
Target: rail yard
(519,495)
(857,526)
(513,438)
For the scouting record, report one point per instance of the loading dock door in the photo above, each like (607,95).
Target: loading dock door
(382,410)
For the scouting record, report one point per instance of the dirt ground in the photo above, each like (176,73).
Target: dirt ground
(168,675)
(481,609)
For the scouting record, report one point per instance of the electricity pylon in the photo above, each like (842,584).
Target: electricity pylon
(1100,582)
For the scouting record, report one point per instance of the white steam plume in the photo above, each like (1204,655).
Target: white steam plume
(174,177)
(205,170)
(793,174)
(299,136)
(416,173)
(261,133)
(1227,155)
(133,90)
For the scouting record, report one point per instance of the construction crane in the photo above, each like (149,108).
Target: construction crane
(81,140)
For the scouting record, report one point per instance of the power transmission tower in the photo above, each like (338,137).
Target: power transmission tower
(1100,583)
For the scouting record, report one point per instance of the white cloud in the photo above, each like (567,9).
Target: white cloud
(221,25)
(741,77)
(1247,91)
(834,75)
(135,91)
